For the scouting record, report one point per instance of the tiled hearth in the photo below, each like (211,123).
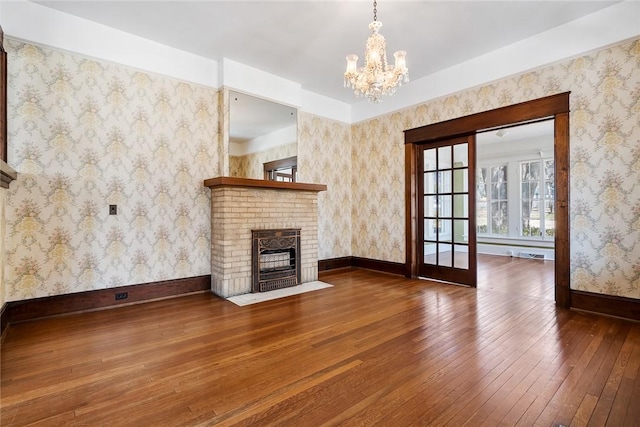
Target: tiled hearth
(239,206)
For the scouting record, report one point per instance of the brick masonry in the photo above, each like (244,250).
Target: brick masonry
(235,211)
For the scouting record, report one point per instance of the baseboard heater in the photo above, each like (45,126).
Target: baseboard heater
(530,255)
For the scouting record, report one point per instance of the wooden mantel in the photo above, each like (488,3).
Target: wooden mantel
(227,181)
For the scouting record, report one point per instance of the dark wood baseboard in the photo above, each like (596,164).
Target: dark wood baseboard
(19,311)
(629,308)
(334,263)
(378,265)
(3,324)
(358,262)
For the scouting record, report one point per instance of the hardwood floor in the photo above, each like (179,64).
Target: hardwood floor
(527,277)
(375,349)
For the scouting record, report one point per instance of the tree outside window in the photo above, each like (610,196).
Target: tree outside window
(499,201)
(537,193)
(482,210)
(492,200)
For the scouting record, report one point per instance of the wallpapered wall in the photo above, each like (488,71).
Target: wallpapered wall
(604,175)
(84,134)
(324,157)
(251,165)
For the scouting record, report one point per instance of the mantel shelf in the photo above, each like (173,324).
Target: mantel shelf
(227,181)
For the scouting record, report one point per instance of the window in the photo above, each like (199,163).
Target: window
(283,170)
(537,193)
(531,213)
(283,175)
(492,200)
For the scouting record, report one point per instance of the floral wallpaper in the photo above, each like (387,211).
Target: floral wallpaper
(251,165)
(84,134)
(604,175)
(324,157)
(378,202)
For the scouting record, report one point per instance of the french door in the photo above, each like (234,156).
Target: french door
(446,208)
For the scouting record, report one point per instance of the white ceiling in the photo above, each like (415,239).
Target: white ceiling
(251,117)
(307,41)
(526,140)
(514,134)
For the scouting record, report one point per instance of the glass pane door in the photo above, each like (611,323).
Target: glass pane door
(447,207)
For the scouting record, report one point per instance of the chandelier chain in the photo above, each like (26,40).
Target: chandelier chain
(375,10)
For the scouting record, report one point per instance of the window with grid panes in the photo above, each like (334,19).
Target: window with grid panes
(492,214)
(537,193)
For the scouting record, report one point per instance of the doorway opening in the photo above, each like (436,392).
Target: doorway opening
(515,209)
(554,108)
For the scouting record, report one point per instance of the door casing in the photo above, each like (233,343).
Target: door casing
(554,106)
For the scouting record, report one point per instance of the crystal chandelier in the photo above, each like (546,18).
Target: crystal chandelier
(376,78)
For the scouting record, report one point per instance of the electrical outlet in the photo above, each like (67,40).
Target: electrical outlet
(122,295)
(113,209)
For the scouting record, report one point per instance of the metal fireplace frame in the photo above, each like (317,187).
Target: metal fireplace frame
(266,246)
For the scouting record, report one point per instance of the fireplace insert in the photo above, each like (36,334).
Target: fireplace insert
(275,259)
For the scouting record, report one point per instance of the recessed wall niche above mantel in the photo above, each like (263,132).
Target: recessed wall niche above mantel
(259,131)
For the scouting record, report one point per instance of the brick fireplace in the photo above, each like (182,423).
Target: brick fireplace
(240,206)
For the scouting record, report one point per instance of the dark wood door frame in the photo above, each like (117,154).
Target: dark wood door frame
(3,99)
(554,106)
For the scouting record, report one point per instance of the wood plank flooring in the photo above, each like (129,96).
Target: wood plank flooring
(375,349)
